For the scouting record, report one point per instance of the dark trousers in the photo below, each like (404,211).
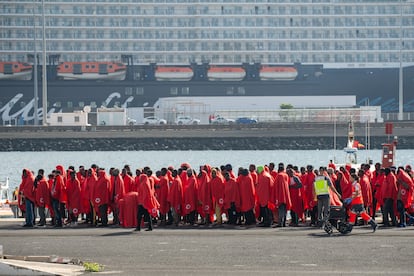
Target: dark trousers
(29,212)
(232,214)
(389,212)
(295,218)
(191,217)
(250,218)
(401,210)
(282,214)
(42,215)
(374,207)
(313,213)
(143,213)
(56,209)
(103,212)
(266,214)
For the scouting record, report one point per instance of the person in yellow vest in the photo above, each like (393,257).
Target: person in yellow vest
(321,187)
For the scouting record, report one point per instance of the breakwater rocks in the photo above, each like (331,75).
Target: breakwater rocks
(258,137)
(222,143)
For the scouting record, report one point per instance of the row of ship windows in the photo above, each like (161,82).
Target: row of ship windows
(196,1)
(211,34)
(311,46)
(237,58)
(286,21)
(211,9)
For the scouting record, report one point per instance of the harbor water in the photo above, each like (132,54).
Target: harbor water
(14,162)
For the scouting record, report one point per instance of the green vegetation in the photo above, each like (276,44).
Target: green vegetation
(286,106)
(285,113)
(93,267)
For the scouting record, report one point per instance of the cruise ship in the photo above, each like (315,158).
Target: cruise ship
(132,53)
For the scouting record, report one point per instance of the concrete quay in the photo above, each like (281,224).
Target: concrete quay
(210,250)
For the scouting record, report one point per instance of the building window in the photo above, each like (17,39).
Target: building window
(230,91)
(139,91)
(241,91)
(174,91)
(185,91)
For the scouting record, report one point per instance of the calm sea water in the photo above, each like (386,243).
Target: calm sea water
(14,162)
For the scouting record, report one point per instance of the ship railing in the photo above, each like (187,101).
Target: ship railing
(390,116)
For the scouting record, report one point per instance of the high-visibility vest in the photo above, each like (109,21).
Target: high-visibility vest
(321,186)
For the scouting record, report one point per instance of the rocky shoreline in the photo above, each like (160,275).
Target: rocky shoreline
(260,137)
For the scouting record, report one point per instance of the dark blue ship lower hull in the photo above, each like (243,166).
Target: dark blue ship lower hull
(373,86)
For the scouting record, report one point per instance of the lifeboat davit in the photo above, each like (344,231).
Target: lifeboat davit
(216,73)
(15,70)
(173,73)
(91,70)
(278,73)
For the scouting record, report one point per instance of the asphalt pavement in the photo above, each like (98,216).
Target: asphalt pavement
(210,250)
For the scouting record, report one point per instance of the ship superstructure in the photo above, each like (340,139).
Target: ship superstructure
(347,33)
(208,48)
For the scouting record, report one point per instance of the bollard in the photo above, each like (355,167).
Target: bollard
(1,251)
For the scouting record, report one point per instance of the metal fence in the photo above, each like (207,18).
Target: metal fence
(364,114)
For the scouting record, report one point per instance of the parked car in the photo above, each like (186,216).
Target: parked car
(131,121)
(186,120)
(154,121)
(246,120)
(222,121)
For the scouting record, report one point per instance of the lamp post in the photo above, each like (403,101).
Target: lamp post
(35,84)
(44,72)
(400,81)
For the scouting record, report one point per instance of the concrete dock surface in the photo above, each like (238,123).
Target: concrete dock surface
(206,250)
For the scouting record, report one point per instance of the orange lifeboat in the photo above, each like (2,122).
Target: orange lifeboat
(173,73)
(105,70)
(278,73)
(228,73)
(15,70)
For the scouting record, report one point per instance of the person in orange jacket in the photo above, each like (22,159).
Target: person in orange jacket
(404,197)
(27,190)
(389,191)
(356,202)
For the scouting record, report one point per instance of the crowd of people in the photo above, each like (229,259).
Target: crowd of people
(257,195)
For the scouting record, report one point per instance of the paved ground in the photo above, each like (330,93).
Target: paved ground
(222,251)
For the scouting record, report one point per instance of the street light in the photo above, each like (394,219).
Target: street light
(400,87)
(44,73)
(36,96)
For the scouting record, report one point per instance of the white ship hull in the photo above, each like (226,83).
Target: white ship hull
(174,76)
(93,76)
(26,75)
(282,76)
